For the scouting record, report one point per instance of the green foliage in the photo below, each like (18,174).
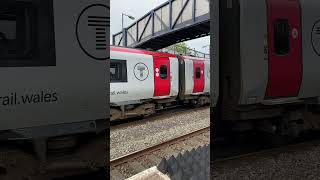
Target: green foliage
(180,48)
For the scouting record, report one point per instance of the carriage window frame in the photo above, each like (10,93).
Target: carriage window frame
(198,72)
(281,28)
(30,48)
(163,72)
(122,71)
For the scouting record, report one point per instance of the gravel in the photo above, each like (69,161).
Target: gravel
(139,136)
(294,164)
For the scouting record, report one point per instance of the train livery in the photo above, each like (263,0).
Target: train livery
(269,64)
(142,82)
(53,80)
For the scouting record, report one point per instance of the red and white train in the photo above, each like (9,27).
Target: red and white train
(142,82)
(269,64)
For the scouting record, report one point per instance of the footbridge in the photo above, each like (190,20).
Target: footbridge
(170,23)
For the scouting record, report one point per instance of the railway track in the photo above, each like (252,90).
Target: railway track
(160,114)
(102,174)
(295,160)
(257,149)
(270,152)
(131,164)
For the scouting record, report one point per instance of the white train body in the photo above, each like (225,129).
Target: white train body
(159,79)
(139,82)
(287,59)
(190,72)
(268,63)
(273,50)
(52,67)
(53,75)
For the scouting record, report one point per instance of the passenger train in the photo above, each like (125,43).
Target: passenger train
(142,82)
(269,60)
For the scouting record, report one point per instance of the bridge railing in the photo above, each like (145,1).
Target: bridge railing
(169,16)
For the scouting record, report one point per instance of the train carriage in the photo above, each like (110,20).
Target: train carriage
(194,79)
(142,75)
(145,81)
(269,59)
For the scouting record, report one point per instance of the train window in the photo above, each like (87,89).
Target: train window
(163,72)
(20,43)
(198,73)
(281,37)
(13,32)
(118,71)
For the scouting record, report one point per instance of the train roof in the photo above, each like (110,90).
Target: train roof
(196,58)
(153,53)
(141,51)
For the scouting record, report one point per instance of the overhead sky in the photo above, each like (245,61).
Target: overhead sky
(138,8)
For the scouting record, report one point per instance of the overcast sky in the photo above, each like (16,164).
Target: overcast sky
(138,8)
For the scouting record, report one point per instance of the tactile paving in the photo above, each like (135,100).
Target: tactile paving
(190,165)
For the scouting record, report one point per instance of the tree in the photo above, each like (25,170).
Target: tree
(179,48)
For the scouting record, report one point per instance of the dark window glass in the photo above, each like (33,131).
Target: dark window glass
(281,37)
(198,73)
(27,33)
(163,72)
(118,71)
(16,28)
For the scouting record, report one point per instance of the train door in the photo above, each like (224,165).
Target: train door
(285,57)
(198,76)
(161,76)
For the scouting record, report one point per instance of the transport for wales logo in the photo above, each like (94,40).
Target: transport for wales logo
(315,38)
(93,31)
(141,71)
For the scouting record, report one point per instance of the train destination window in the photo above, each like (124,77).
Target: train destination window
(281,37)
(20,43)
(198,73)
(163,72)
(118,71)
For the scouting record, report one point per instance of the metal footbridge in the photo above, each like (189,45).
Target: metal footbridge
(170,23)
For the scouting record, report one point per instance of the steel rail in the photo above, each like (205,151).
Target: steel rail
(270,152)
(140,153)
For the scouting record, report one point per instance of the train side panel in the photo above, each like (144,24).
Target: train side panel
(194,83)
(162,81)
(269,55)
(198,76)
(310,86)
(256,51)
(189,83)
(207,77)
(253,52)
(284,49)
(174,76)
(43,87)
(139,73)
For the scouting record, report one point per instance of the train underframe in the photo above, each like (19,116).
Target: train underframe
(51,158)
(286,120)
(150,107)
